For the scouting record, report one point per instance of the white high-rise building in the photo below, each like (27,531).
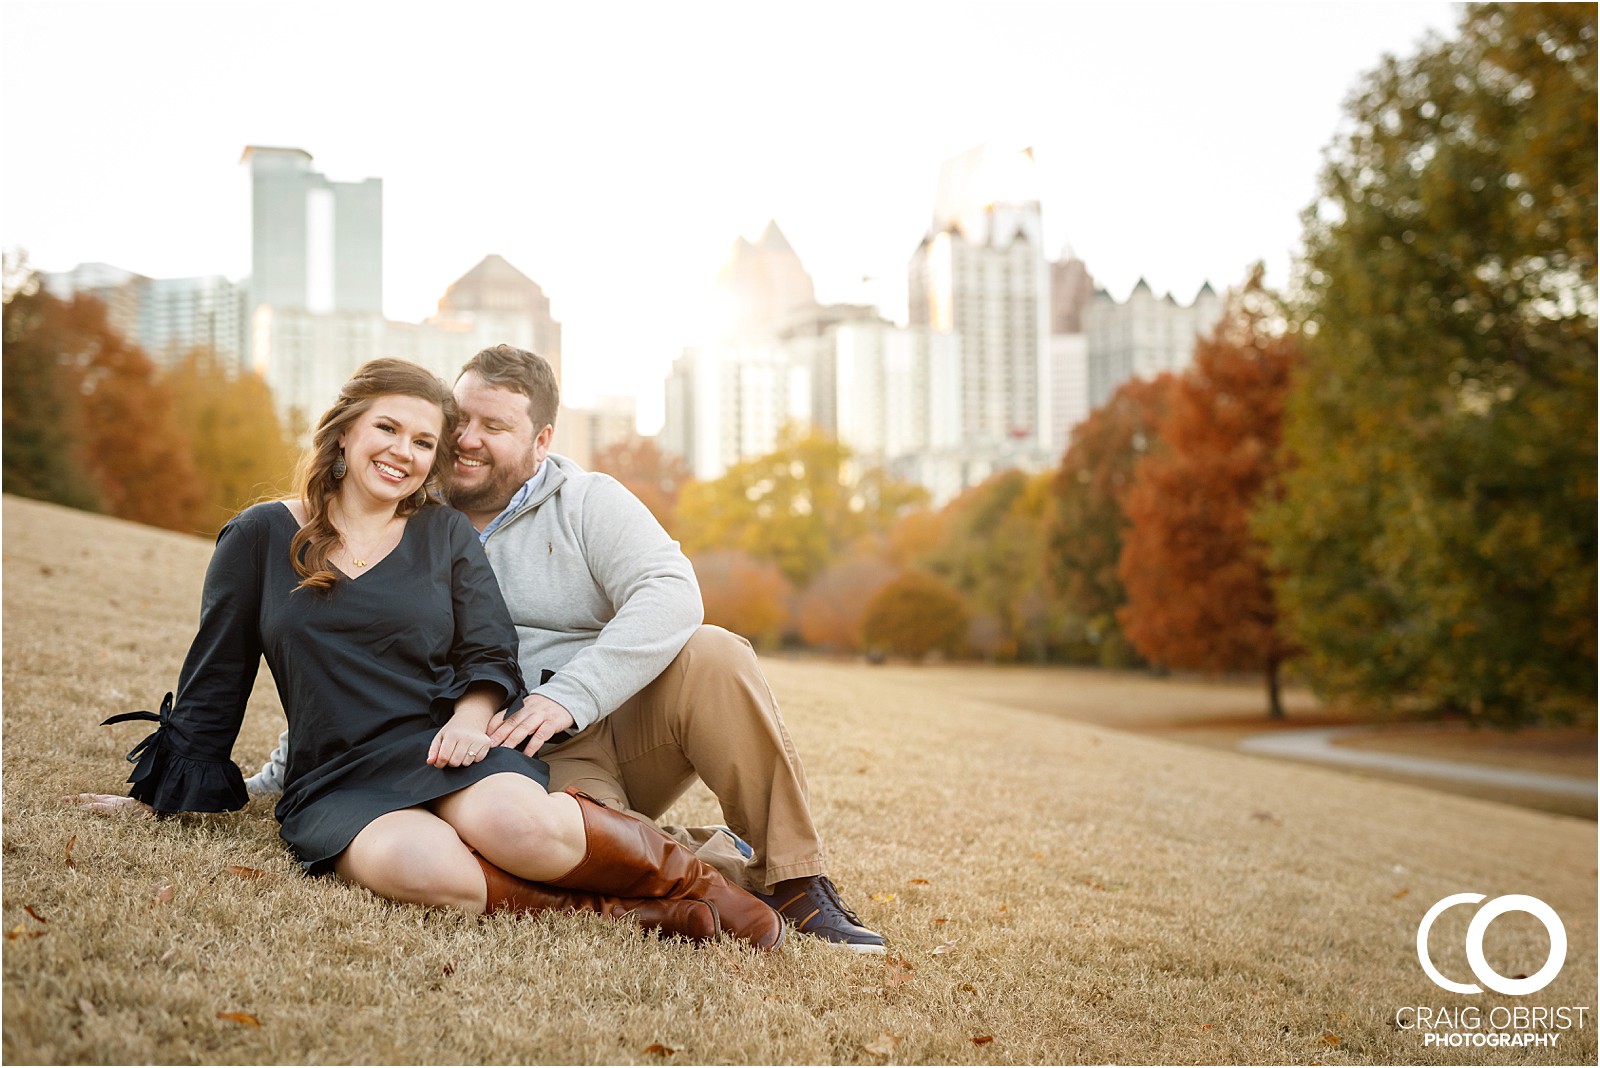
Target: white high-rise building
(891,394)
(729,397)
(165,317)
(306,356)
(981,275)
(730,401)
(117,289)
(583,433)
(315,244)
(1071,290)
(1143,336)
(177,315)
(496,299)
(898,404)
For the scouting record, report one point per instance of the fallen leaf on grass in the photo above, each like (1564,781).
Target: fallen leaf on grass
(883,899)
(1002,907)
(918,882)
(982,1040)
(22,931)
(29,910)
(246,873)
(86,1007)
(659,1050)
(937,920)
(1402,892)
(1330,1039)
(884,1044)
(724,955)
(244,1018)
(896,972)
(944,947)
(163,894)
(1206,1027)
(67,859)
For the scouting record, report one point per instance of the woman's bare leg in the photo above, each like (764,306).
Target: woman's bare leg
(515,824)
(413,855)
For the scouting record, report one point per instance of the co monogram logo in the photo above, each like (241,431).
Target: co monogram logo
(1475,931)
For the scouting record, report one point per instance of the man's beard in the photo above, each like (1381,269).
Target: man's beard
(494,492)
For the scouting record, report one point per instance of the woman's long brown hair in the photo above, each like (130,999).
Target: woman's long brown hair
(314,477)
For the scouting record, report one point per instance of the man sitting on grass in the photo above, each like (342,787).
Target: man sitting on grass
(635,696)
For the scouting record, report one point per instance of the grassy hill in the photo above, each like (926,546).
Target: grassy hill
(1053,892)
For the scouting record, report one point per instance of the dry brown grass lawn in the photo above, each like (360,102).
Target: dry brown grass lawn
(1054,892)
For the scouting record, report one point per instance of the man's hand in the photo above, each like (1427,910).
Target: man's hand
(536,722)
(109,804)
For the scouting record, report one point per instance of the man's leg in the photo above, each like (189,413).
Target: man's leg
(712,714)
(588,763)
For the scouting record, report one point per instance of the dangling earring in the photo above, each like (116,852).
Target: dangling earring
(339,468)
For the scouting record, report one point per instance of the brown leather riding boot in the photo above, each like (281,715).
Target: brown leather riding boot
(630,858)
(689,917)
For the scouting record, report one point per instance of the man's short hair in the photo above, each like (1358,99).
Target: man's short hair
(524,372)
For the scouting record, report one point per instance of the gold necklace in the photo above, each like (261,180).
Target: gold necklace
(350,549)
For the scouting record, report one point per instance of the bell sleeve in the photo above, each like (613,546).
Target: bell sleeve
(484,648)
(186,765)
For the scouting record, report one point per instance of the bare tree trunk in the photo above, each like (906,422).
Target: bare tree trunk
(1274,694)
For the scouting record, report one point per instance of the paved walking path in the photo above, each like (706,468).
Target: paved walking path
(1318,745)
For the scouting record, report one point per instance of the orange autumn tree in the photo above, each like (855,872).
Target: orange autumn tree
(1086,529)
(241,450)
(1197,581)
(653,476)
(82,388)
(747,596)
(832,609)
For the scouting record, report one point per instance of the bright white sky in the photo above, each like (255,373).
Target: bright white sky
(613,152)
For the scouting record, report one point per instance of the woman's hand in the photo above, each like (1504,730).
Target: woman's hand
(109,804)
(458,744)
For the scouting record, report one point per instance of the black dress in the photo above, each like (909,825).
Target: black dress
(367,673)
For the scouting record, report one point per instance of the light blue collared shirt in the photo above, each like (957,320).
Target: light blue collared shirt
(518,499)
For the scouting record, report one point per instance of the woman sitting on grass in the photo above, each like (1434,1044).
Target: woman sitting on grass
(394,656)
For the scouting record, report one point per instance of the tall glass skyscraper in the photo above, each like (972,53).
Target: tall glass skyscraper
(315,245)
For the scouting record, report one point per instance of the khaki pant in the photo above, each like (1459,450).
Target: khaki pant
(710,714)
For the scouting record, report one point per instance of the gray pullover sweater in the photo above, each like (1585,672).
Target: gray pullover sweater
(600,594)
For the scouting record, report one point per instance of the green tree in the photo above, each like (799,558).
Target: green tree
(241,452)
(1437,537)
(1199,591)
(991,548)
(1085,528)
(914,615)
(42,436)
(800,507)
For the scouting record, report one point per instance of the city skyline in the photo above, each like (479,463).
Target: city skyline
(615,154)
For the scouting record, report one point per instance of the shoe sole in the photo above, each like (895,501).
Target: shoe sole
(856,947)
